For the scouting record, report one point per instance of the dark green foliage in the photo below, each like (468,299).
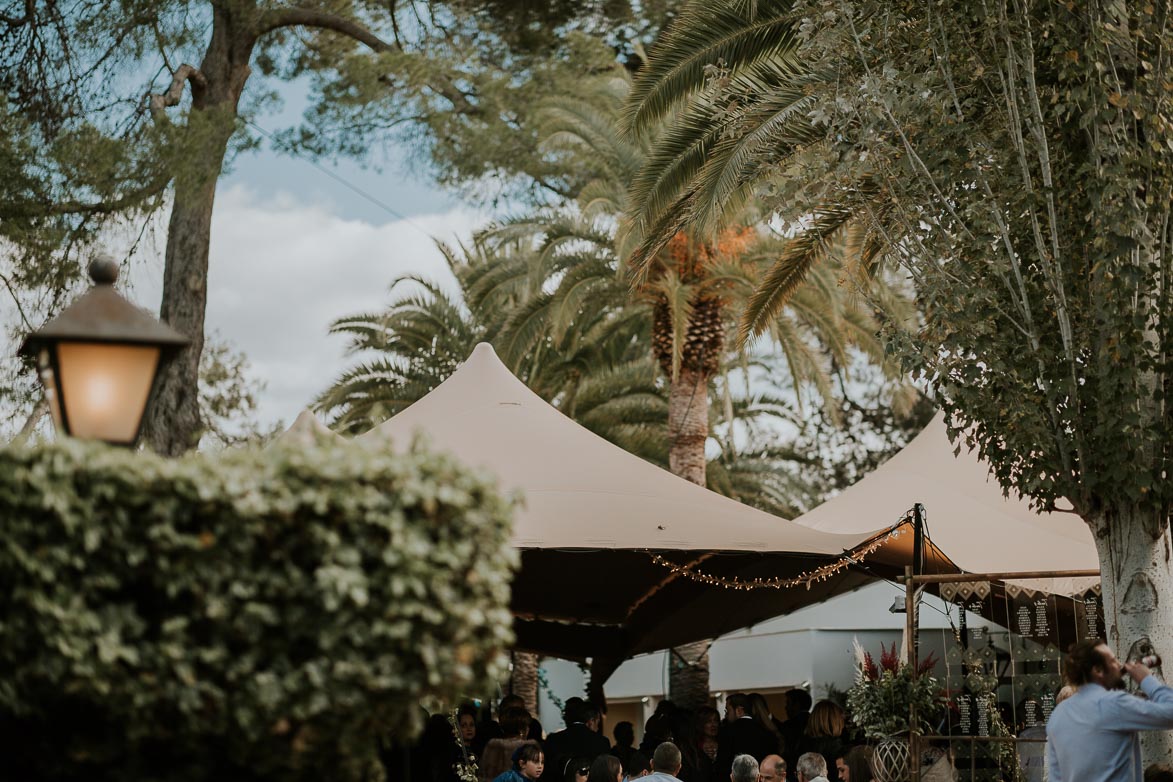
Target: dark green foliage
(548,290)
(112,112)
(1027,150)
(1017,157)
(259,615)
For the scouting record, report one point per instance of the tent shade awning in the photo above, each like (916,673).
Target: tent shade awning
(592,516)
(967,515)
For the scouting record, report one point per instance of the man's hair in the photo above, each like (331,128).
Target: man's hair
(589,712)
(666,758)
(737,700)
(1158,772)
(780,763)
(811,765)
(745,769)
(572,710)
(512,699)
(515,722)
(624,734)
(798,701)
(1082,657)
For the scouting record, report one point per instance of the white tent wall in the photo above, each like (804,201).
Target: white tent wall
(811,647)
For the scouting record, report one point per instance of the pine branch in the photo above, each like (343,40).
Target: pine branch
(322,20)
(40,410)
(157,102)
(24,210)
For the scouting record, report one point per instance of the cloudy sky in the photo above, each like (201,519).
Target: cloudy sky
(293,249)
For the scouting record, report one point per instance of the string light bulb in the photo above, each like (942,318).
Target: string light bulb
(819,574)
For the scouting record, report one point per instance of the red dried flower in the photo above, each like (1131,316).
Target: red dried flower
(869,667)
(890,659)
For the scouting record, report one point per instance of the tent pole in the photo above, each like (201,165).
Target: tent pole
(918,539)
(912,628)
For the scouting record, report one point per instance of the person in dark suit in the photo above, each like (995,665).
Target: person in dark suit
(579,739)
(798,711)
(743,735)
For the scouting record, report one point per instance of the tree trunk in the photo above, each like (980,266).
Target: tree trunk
(688,429)
(524,681)
(1137,578)
(173,423)
(688,425)
(688,675)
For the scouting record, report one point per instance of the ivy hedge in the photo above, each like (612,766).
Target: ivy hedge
(245,616)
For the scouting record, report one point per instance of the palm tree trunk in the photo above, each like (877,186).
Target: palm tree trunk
(688,424)
(688,429)
(524,681)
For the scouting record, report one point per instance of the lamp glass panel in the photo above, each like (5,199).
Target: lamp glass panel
(49,381)
(104,388)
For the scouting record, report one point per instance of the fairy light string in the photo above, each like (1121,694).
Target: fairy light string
(819,574)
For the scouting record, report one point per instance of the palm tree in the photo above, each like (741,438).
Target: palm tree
(596,372)
(733,108)
(553,295)
(407,350)
(690,287)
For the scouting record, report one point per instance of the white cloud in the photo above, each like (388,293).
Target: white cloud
(281,271)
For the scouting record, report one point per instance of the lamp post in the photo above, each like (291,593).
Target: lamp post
(98,361)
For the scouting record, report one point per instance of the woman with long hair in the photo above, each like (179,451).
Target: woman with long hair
(855,765)
(708,722)
(760,710)
(824,732)
(497,753)
(695,766)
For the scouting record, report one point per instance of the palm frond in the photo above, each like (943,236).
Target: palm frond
(525,327)
(803,252)
(704,35)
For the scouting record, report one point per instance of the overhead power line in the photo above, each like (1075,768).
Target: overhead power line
(339,179)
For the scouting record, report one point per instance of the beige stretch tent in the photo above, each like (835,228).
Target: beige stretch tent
(588,585)
(967,516)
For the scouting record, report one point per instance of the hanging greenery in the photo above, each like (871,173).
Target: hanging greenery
(249,616)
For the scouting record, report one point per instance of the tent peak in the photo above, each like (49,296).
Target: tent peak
(308,429)
(484,350)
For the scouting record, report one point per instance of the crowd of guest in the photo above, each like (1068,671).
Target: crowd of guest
(1090,736)
(707,747)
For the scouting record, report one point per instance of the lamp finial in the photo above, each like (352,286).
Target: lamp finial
(103,270)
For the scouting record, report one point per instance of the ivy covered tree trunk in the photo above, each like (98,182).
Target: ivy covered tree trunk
(1137,577)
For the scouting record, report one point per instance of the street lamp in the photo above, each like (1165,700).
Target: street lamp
(98,361)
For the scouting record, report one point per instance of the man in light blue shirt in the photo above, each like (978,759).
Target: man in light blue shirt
(666,763)
(1092,736)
